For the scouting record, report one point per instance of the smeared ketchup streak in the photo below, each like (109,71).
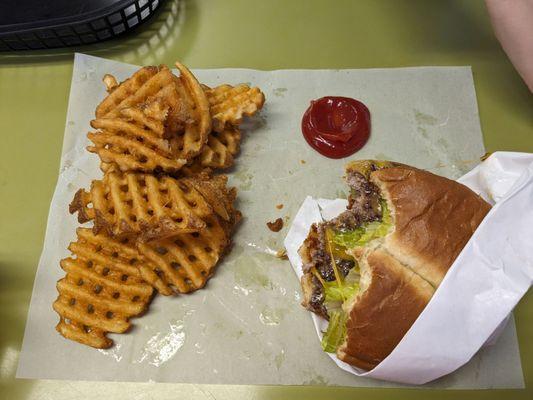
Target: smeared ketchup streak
(336,127)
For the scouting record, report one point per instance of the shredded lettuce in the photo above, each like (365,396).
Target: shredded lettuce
(365,233)
(348,239)
(342,290)
(336,332)
(335,292)
(338,250)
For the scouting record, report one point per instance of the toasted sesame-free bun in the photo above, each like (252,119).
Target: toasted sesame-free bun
(390,300)
(434,218)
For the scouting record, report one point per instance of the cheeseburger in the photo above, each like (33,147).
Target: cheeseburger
(371,270)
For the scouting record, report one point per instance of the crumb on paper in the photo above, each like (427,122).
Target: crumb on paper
(279,206)
(282,254)
(302,161)
(110,82)
(275,226)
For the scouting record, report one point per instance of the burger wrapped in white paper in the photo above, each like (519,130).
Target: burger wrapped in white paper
(483,285)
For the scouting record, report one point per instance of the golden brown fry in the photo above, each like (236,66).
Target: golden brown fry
(134,140)
(215,191)
(198,126)
(102,289)
(146,86)
(184,263)
(130,204)
(228,104)
(143,84)
(188,121)
(219,152)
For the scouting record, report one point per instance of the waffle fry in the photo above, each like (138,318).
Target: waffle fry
(215,191)
(189,121)
(219,152)
(129,204)
(184,263)
(134,141)
(228,104)
(108,167)
(102,289)
(198,126)
(148,85)
(133,91)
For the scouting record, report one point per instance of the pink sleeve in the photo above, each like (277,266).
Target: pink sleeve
(513,24)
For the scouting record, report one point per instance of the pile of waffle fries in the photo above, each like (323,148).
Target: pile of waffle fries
(161,217)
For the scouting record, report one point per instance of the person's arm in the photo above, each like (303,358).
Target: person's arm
(513,24)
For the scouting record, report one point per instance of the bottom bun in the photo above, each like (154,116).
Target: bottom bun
(391,299)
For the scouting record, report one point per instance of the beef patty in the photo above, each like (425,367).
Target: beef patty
(363,206)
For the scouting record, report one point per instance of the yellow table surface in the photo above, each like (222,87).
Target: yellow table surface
(258,34)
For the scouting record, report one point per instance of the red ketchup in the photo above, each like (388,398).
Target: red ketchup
(336,127)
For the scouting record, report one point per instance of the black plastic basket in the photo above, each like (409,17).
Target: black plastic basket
(112,18)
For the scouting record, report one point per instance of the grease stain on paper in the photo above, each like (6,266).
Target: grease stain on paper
(199,348)
(271,316)
(279,359)
(237,334)
(88,75)
(314,378)
(66,165)
(427,127)
(382,156)
(424,119)
(203,328)
(272,244)
(241,290)
(113,352)
(245,179)
(163,346)
(279,92)
(245,355)
(317,380)
(248,273)
(443,143)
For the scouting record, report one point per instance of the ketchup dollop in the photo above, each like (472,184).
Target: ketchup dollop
(336,127)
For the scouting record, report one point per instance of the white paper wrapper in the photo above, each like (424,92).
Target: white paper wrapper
(247,325)
(481,288)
